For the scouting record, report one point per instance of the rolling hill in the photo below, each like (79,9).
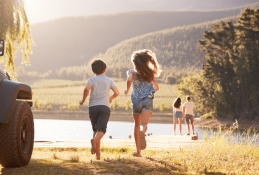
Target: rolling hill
(73,41)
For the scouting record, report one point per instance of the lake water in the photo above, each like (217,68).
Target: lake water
(60,130)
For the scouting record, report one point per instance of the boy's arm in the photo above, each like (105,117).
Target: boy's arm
(86,92)
(115,94)
(129,81)
(155,84)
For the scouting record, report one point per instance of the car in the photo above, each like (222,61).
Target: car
(16,121)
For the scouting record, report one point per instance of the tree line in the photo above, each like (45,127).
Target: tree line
(228,84)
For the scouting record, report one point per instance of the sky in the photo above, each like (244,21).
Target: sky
(43,10)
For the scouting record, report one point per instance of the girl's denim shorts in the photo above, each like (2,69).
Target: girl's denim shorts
(143,104)
(178,115)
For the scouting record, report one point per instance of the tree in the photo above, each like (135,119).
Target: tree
(15,30)
(170,79)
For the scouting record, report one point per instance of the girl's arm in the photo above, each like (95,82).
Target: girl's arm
(86,92)
(129,81)
(155,84)
(115,94)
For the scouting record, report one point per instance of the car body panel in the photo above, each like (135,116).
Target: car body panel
(10,91)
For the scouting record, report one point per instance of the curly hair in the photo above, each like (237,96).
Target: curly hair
(146,65)
(177,103)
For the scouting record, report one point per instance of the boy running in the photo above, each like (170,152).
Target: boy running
(99,102)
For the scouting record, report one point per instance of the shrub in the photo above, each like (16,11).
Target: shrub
(63,107)
(209,116)
(42,104)
(74,158)
(36,103)
(162,107)
(128,105)
(73,107)
(49,107)
(115,105)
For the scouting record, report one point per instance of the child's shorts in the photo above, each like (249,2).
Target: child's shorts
(178,115)
(189,117)
(143,104)
(99,116)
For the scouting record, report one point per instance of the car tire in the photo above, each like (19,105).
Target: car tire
(17,137)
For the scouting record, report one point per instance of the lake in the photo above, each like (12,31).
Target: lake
(61,130)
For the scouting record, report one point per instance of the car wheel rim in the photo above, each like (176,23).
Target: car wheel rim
(25,134)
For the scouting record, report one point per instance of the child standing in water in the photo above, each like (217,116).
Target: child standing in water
(145,85)
(99,102)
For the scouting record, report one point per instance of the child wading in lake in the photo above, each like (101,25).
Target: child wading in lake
(178,113)
(99,102)
(145,85)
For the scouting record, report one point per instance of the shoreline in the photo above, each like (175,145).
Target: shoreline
(156,117)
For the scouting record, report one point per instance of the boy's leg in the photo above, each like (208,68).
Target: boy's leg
(191,117)
(187,123)
(97,143)
(101,125)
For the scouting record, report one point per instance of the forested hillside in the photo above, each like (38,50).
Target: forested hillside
(175,50)
(73,41)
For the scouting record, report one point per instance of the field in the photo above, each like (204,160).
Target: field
(65,92)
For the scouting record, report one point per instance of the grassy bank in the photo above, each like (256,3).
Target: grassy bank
(216,155)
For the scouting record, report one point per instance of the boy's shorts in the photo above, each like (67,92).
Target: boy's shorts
(143,104)
(178,115)
(99,116)
(189,117)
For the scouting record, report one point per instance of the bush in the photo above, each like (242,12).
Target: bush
(162,107)
(73,107)
(209,116)
(42,104)
(115,105)
(49,107)
(63,107)
(128,105)
(36,103)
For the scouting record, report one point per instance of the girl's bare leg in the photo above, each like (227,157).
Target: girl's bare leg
(180,125)
(145,115)
(175,122)
(137,119)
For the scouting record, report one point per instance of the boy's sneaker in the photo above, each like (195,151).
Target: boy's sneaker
(188,134)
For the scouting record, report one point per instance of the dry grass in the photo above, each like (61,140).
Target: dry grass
(238,155)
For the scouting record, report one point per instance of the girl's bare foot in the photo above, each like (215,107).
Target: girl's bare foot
(136,154)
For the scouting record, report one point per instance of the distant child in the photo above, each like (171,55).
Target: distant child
(99,102)
(145,85)
(178,114)
(188,110)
